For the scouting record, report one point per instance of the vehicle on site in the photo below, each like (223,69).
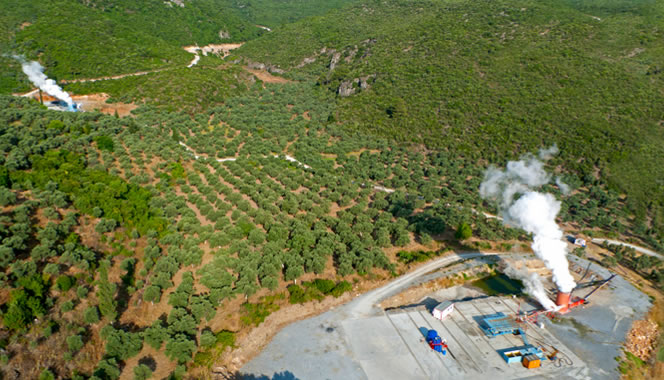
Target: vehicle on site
(436,342)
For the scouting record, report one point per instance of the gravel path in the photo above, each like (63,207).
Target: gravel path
(645,251)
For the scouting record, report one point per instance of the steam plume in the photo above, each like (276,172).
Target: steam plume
(533,286)
(564,188)
(532,211)
(548,153)
(35,73)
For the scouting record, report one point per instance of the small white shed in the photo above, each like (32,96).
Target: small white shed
(580,242)
(443,309)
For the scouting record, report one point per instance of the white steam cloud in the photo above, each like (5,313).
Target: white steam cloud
(548,153)
(564,188)
(35,73)
(532,285)
(532,211)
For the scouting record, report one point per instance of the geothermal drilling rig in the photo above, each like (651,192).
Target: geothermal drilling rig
(566,303)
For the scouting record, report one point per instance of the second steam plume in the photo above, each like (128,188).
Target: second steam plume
(532,284)
(35,73)
(535,212)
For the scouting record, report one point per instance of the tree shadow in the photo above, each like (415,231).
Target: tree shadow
(428,223)
(128,327)
(123,297)
(401,208)
(430,303)
(149,362)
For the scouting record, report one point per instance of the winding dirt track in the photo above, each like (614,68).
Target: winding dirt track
(136,74)
(213,48)
(645,251)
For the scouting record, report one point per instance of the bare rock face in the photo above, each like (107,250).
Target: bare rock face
(256,66)
(346,88)
(351,54)
(335,59)
(269,68)
(349,87)
(364,81)
(224,34)
(306,61)
(179,3)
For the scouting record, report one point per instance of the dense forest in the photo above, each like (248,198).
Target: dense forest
(147,245)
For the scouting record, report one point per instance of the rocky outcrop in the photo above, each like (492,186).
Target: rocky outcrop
(346,89)
(348,54)
(349,87)
(351,54)
(179,3)
(335,59)
(224,34)
(306,61)
(269,68)
(256,66)
(364,81)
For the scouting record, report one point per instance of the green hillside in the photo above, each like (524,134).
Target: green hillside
(494,79)
(89,39)
(102,38)
(152,245)
(273,13)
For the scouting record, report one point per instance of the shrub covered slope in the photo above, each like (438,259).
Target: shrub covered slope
(494,79)
(94,38)
(153,243)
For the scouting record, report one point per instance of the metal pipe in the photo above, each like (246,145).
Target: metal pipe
(600,285)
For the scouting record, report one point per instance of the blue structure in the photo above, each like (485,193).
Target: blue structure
(498,324)
(516,354)
(435,342)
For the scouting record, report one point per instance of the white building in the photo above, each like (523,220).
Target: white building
(443,309)
(580,242)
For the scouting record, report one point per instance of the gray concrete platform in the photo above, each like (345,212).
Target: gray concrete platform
(360,340)
(393,346)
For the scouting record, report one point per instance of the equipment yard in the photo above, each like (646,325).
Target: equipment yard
(394,344)
(479,337)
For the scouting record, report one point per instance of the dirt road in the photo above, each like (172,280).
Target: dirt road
(115,76)
(365,305)
(645,251)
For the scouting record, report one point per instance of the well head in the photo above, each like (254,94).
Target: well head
(562,300)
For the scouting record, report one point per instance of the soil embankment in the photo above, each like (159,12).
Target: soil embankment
(91,102)
(266,76)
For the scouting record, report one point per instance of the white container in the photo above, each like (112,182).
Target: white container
(443,309)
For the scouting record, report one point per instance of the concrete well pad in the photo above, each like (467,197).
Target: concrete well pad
(360,340)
